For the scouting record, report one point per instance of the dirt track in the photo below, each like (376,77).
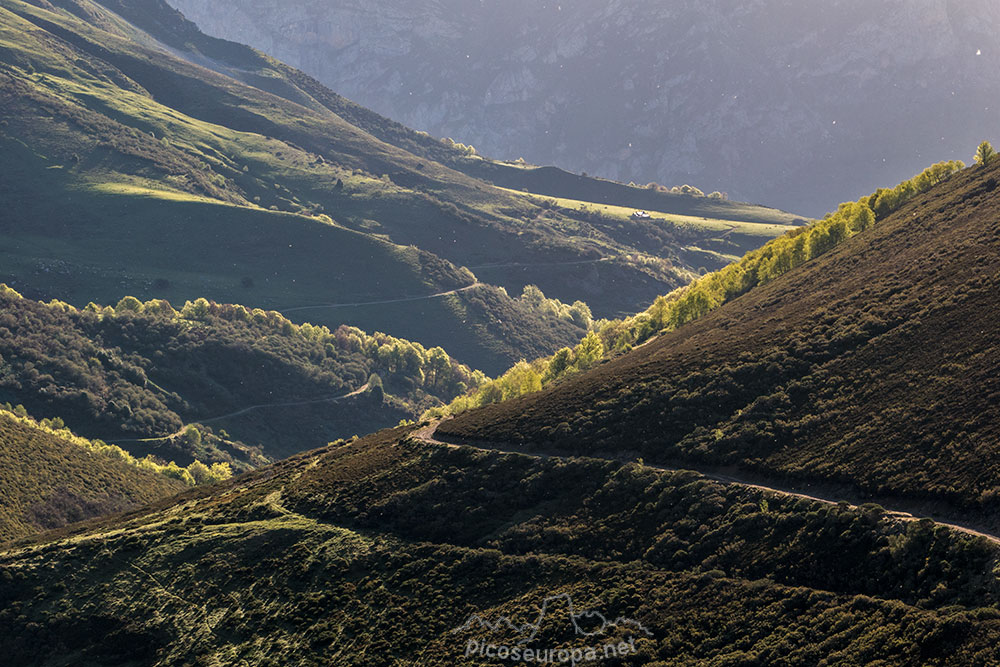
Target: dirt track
(245,410)
(426,435)
(385,301)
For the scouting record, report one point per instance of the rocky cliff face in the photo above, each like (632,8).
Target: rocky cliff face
(797,105)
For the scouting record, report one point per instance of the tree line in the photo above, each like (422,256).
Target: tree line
(431,368)
(194,474)
(144,369)
(758,267)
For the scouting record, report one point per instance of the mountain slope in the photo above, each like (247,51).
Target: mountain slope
(428,543)
(191,155)
(49,481)
(124,132)
(870,367)
(800,106)
(137,374)
(380,551)
(401,548)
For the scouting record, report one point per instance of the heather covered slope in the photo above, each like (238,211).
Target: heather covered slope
(48,480)
(873,366)
(373,552)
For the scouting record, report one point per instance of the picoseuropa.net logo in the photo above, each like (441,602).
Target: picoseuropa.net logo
(599,638)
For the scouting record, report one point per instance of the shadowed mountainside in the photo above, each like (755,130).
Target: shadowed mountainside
(373,552)
(801,105)
(358,539)
(137,374)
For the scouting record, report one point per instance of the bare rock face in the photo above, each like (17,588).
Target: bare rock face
(794,104)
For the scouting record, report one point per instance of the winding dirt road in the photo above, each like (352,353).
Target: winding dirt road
(519,265)
(426,435)
(406,299)
(329,399)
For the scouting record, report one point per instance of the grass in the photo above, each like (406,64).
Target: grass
(147,192)
(182,239)
(702,242)
(168,203)
(554,182)
(174,133)
(105,240)
(762,229)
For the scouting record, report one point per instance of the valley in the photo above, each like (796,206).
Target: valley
(131,171)
(226,166)
(494,510)
(285,382)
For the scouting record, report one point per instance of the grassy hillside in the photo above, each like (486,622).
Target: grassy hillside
(87,244)
(141,172)
(372,553)
(139,372)
(869,367)
(49,480)
(274,263)
(185,191)
(555,182)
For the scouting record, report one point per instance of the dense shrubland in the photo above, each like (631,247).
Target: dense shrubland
(675,521)
(758,267)
(49,477)
(373,552)
(406,362)
(147,369)
(334,596)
